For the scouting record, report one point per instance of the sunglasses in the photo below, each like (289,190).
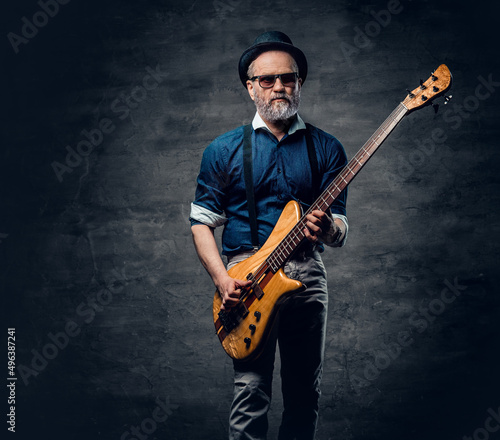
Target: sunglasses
(267,81)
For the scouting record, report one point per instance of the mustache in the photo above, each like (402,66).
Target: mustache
(279,96)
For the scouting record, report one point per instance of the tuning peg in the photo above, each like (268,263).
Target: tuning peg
(434,77)
(447,99)
(410,94)
(422,87)
(435,107)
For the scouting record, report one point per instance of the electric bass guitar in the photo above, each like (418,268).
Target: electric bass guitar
(244,328)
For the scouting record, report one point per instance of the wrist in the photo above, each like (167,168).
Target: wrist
(335,235)
(220,279)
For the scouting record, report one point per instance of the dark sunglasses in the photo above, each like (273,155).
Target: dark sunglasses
(267,81)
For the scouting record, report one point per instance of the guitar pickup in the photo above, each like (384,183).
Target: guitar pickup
(257,290)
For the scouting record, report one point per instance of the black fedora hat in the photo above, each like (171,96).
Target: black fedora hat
(272,40)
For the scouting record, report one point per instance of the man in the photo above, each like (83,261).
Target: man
(290,158)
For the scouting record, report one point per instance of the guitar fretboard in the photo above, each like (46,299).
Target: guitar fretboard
(296,236)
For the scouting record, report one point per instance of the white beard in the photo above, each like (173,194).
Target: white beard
(278,111)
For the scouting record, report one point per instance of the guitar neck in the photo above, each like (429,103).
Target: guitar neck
(296,236)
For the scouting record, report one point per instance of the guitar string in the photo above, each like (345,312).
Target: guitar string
(281,253)
(383,131)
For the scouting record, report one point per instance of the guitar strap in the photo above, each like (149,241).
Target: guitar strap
(313,161)
(248,174)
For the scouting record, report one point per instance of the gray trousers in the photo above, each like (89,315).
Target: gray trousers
(300,334)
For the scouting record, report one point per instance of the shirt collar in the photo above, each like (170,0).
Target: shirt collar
(297,124)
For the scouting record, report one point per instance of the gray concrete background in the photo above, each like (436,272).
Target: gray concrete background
(111,308)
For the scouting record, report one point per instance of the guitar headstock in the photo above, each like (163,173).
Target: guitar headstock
(437,84)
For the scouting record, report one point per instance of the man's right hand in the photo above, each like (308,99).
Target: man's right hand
(229,288)
(230,291)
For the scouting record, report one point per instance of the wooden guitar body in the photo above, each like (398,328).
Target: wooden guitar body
(277,287)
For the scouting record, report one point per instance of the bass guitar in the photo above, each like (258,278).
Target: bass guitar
(244,328)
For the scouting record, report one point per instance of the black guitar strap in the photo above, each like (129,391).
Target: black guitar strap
(248,174)
(313,161)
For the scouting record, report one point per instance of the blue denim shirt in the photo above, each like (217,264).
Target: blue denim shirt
(282,172)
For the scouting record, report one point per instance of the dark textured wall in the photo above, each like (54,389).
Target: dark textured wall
(111,308)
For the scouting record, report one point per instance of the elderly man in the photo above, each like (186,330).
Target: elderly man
(290,160)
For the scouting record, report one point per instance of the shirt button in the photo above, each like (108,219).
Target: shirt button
(279,170)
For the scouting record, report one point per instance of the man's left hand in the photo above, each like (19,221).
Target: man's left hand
(320,227)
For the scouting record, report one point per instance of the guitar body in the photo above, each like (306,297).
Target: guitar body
(277,287)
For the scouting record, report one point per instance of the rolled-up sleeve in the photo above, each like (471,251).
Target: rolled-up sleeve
(346,223)
(210,198)
(200,215)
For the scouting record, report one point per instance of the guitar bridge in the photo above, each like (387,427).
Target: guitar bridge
(231,318)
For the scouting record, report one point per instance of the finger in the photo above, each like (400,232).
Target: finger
(242,283)
(312,238)
(228,302)
(320,213)
(313,228)
(235,294)
(312,218)
(323,218)
(228,305)
(316,225)
(317,213)
(231,298)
